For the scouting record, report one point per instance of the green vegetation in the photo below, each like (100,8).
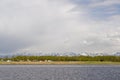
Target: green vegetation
(62,58)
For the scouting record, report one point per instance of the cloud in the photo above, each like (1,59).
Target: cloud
(56,26)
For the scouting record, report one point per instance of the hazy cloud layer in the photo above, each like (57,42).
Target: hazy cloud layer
(59,26)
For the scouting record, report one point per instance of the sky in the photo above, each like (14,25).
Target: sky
(59,26)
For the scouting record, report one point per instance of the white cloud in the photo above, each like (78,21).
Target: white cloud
(53,26)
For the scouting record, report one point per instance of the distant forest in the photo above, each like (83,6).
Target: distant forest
(62,58)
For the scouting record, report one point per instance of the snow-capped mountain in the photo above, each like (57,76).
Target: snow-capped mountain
(117,54)
(60,54)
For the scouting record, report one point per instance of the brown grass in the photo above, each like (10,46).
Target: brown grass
(61,63)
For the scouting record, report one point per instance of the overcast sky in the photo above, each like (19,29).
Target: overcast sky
(59,26)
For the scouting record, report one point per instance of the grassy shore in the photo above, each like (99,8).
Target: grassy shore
(61,63)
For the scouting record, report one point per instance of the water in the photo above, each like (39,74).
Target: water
(59,72)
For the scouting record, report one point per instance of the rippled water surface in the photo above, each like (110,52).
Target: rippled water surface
(59,72)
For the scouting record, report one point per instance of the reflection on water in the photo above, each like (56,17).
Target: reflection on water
(59,72)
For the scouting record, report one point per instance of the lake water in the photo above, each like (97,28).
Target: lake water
(59,72)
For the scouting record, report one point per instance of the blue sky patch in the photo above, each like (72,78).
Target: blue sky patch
(98,12)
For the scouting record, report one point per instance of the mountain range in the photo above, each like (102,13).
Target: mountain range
(60,54)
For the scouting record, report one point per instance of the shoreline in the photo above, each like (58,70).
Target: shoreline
(62,63)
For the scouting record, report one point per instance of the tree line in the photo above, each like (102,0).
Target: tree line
(63,58)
